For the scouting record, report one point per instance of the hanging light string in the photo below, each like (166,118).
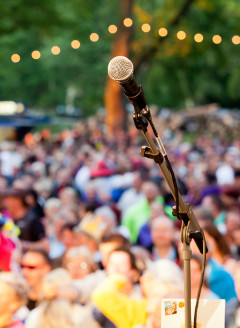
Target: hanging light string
(128,22)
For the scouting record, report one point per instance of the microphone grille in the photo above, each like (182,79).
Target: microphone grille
(120,68)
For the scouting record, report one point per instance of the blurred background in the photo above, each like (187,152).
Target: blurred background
(54,58)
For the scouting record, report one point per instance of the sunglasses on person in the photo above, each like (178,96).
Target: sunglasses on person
(30,267)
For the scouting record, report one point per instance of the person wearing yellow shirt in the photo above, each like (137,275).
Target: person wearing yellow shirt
(111,297)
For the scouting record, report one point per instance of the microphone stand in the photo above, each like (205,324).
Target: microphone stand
(190,228)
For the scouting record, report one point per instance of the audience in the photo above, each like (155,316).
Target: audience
(88,224)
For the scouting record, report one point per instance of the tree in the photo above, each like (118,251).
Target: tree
(115,113)
(174,73)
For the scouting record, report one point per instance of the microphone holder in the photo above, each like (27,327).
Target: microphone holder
(190,228)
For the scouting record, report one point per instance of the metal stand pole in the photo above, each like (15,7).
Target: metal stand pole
(190,228)
(186,255)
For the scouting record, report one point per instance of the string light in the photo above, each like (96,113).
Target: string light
(55,50)
(181,35)
(198,37)
(163,31)
(15,58)
(217,39)
(236,39)
(146,28)
(36,54)
(75,44)
(127,22)
(112,29)
(94,37)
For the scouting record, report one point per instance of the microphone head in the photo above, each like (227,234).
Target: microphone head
(120,68)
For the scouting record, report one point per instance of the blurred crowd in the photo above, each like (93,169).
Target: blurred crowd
(87,235)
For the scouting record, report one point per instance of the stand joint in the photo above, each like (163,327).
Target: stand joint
(146,152)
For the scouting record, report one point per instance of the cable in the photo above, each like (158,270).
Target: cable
(169,166)
(201,280)
(204,241)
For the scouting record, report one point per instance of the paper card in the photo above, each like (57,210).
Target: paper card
(211,313)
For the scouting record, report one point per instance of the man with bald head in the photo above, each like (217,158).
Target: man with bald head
(163,237)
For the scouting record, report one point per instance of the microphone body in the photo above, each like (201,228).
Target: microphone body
(120,69)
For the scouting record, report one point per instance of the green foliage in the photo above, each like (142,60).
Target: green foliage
(44,83)
(179,74)
(174,73)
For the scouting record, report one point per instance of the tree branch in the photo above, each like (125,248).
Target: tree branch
(159,41)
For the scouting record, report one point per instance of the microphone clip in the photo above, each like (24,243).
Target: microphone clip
(140,122)
(148,153)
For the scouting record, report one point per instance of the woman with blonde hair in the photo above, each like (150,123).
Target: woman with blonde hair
(13,296)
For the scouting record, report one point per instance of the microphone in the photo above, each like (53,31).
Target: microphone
(120,69)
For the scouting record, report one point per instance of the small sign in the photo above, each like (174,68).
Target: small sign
(211,313)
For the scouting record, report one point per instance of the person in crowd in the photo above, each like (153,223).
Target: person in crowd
(108,219)
(68,195)
(121,261)
(217,207)
(34,203)
(225,171)
(23,182)
(237,280)
(32,232)
(196,266)
(80,290)
(38,170)
(91,194)
(220,251)
(3,183)
(59,312)
(194,195)
(111,297)
(67,236)
(203,215)
(132,195)
(232,235)
(61,235)
(43,187)
(10,247)
(86,236)
(51,207)
(13,289)
(11,160)
(82,176)
(163,237)
(145,237)
(140,213)
(79,262)
(142,256)
(109,243)
(35,264)
(63,180)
